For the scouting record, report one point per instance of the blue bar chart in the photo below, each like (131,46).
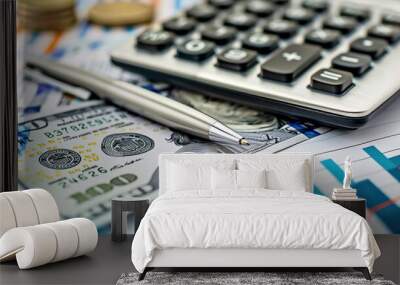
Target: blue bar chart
(378,202)
(375,154)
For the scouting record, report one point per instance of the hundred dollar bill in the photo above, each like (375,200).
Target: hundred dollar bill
(235,116)
(87,156)
(272,141)
(265,132)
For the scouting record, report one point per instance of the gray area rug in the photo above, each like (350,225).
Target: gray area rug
(243,278)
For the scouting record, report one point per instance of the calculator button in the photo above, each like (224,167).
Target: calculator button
(240,21)
(391,19)
(344,25)
(299,15)
(260,42)
(155,40)
(282,28)
(353,62)
(316,5)
(280,2)
(218,34)
(331,80)
(370,46)
(289,63)
(386,32)
(196,50)
(260,8)
(324,38)
(180,26)
(222,4)
(237,59)
(202,13)
(360,14)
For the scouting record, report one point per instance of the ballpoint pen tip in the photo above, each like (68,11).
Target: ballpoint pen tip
(243,142)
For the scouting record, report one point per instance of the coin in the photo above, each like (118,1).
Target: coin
(120,13)
(46,14)
(27,12)
(60,24)
(46,5)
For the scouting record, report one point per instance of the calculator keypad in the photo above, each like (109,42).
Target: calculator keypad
(290,62)
(301,49)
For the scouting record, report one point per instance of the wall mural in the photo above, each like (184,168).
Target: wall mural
(85,152)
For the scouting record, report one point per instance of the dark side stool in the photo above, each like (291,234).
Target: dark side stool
(120,207)
(358,206)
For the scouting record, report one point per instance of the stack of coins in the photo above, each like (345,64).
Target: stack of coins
(46,14)
(121,13)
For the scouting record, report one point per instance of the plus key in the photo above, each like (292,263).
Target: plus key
(290,62)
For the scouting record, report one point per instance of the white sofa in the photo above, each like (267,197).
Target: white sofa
(166,236)
(31,233)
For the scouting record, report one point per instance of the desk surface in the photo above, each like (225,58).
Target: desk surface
(103,266)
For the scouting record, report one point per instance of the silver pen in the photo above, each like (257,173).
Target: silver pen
(148,104)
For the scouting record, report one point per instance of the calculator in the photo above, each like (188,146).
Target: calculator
(334,62)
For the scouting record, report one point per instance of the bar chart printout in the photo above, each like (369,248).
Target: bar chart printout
(375,153)
(378,202)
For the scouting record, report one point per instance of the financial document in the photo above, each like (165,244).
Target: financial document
(375,152)
(88,155)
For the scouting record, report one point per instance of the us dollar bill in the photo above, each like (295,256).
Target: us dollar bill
(90,154)
(87,156)
(265,132)
(238,117)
